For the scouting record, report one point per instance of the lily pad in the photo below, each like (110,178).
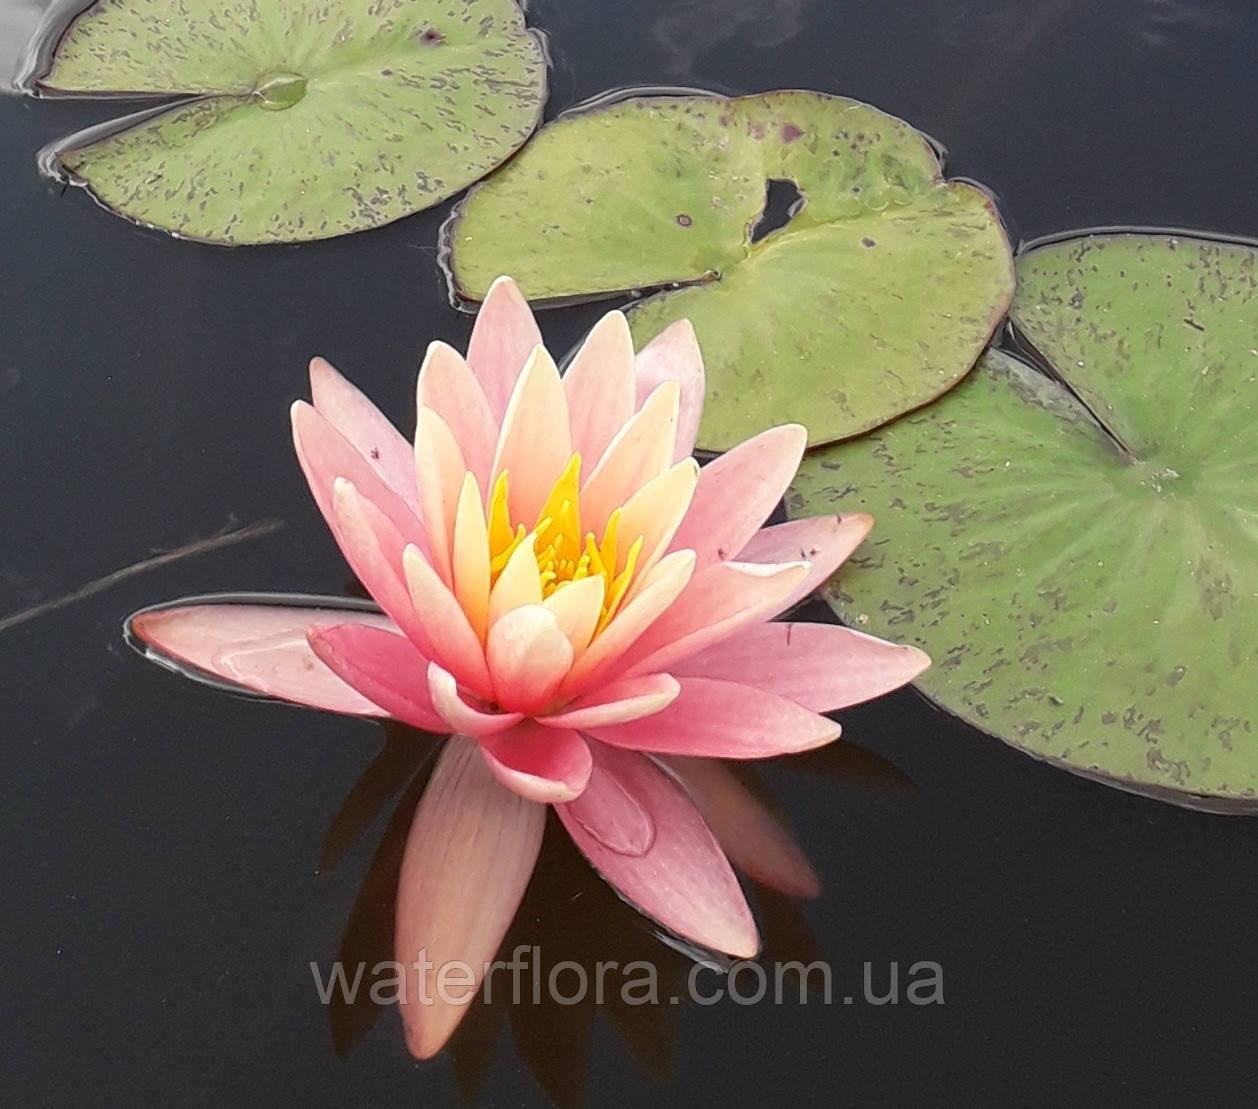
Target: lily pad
(309,118)
(876,297)
(1079,552)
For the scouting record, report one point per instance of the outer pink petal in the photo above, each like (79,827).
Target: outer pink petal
(325,454)
(383,666)
(820,666)
(543,764)
(373,548)
(824,541)
(673,355)
(447,386)
(716,603)
(504,335)
(600,386)
(459,716)
(644,836)
(723,720)
(469,855)
(617,703)
(381,445)
(737,492)
(753,838)
(260,648)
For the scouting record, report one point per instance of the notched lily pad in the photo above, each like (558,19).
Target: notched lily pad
(1079,552)
(309,118)
(875,298)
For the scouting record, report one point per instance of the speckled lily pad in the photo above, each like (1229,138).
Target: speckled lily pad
(1079,553)
(874,299)
(310,118)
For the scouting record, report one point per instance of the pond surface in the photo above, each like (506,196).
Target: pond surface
(176,859)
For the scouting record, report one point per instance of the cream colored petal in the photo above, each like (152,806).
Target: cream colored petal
(471,557)
(642,450)
(439,469)
(655,512)
(448,386)
(577,607)
(518,584)
(535,445)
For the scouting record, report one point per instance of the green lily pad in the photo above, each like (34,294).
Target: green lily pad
(874,299)
(310,118)
(1079,553)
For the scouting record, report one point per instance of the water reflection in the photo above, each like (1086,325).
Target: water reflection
(689,28)
(1160,22)
(19,20)
(569,915)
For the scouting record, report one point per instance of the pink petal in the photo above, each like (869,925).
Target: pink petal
(448,387)
(723,720)
(503,336)
(458,715)
(750,834)
(673,355)
(455,643)
(325,454)
(824,541)
(259,648)
(820,666)
(373,548)
(617,703)
(383,666)
(646,838)
(380,444)
(534,447)
(600,386)
(542,764)
(715,603)
(737,492)
(642,450)
(528,656)
(469,855)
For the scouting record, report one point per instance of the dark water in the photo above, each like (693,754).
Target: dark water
(165,874)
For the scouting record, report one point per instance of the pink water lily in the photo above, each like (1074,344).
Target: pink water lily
(586,610)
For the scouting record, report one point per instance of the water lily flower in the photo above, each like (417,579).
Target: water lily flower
(568,594)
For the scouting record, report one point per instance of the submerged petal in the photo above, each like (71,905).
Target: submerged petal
(259,648)
(644,836)
(752,837)
(469,855)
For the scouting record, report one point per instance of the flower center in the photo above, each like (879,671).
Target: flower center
(564,553)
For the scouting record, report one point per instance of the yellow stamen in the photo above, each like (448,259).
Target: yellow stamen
(563,556)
